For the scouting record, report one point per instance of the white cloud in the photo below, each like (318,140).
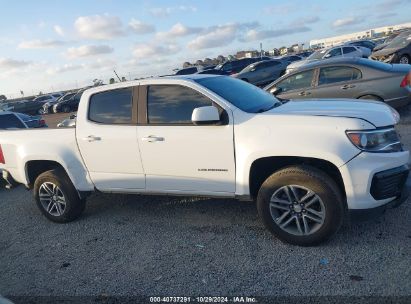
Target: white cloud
(88,50)
(139,27)
(220,35)
(166,11)
(64,68)
(347,21)
(101,64)
(253,34)
(59,30)
(40,44)
(8,63)
(142,51)
(179,30)
(280,9)
(99,27)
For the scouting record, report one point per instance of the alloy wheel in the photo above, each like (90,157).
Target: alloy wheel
(52,199)
(297,210)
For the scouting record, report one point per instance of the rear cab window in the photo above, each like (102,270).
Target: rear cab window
(112,107)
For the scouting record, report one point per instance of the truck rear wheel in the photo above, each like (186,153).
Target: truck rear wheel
(301,205)
(56,197)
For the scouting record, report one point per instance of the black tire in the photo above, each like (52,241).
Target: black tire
(66,109)
(312,179)
(74,206)
(371,97)
(404,59)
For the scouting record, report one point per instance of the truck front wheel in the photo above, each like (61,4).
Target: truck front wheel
(301,205)
(56,197)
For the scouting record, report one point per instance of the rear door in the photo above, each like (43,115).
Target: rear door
(178,156)
(296,86)
(107,139)
(338,82)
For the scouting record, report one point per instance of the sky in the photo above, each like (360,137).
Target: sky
(51,45)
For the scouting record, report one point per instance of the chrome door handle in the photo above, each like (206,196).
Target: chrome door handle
(91,138)
(153,138)
(304,93)
(347,86)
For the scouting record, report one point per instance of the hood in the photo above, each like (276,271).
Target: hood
(377,113)
(385,51)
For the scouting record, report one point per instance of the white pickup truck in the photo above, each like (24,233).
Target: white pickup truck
(306,163)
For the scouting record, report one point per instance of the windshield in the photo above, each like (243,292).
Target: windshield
(400,42)
(317,55)
(249,68)
(243,95)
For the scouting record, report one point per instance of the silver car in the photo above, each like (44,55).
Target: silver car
(328,53)
(354,78)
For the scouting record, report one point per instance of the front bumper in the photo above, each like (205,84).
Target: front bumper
(366,214)
(358,176)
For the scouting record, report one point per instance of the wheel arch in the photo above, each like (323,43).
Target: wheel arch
(263,167)
(34,168)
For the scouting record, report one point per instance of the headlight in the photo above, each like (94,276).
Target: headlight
(389,58)
(383,140)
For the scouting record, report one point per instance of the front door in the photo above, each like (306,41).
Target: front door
(178,156)
(296,86)
(107,139)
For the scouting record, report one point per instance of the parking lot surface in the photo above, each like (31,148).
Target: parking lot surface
(151,245)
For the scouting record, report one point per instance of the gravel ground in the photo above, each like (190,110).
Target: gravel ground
(150,245)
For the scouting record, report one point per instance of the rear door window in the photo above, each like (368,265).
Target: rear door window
(334,52)
(338,74)
(111,107)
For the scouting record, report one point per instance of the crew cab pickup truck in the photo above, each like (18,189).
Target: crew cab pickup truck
(305,163)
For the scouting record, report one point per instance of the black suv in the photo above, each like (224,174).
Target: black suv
(68,105)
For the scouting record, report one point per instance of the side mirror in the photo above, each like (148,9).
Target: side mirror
(327,56)
(276,90)
(205,116)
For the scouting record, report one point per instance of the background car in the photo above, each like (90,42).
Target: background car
(11,120)
(187,71)
(332,52)
(68,105)
(354,78)
(68,122)
(290,58)
(25,106)
(389,39)
(234,66)
(45,98)
(48,106)
(262,72)
(397,51)
(362,43)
